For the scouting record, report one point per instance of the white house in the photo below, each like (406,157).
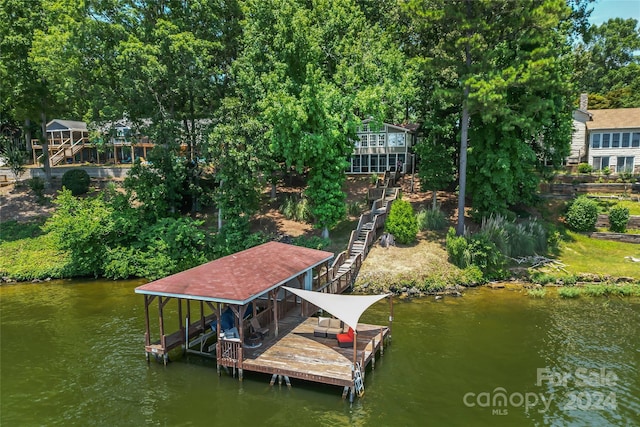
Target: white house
(381,147)
(614,140)
(606,138)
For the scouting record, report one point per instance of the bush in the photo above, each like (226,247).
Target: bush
(354,208)
(431,219)
(457,248)
(582,214)
(475,250)
(585,168)
(36,185)
(618,219)
(313,242)
(401,222)
(76,180)
(296,209)
(569,292)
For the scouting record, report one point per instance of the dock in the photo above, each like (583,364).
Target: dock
(297,353)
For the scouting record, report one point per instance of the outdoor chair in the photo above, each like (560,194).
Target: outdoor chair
(345,340)
(328,327)
(257,328)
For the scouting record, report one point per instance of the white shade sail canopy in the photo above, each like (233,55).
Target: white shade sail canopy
(347,308)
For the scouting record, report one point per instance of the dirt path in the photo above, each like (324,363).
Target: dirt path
(18,203)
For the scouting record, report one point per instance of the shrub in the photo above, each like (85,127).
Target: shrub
(475,250)
(296,209)
(456,248)
(431,219)
(401,222)
(585,168)
(354,209)
(76,180)
(36,185)
(313,242)
(582,214)
(82,227)
(374,179)
(618,219)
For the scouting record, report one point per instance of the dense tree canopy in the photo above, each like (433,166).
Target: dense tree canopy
(607,64)
(512,59)
(253,87)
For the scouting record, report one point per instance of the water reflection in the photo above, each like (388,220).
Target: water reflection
(72,354)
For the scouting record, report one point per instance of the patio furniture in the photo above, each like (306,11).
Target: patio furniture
(257,328)
(345,340)
(328,327)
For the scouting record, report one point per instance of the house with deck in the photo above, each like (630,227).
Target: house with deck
(606,139)
(381,147)
(69,143)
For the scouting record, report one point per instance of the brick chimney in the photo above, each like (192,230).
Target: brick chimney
(584,101)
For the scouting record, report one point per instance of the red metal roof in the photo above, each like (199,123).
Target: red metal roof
(240,277)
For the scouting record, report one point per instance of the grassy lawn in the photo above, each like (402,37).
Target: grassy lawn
(604,204)
(582,254)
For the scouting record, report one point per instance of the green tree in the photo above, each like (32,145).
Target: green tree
(82,227)
(401,222)
(315,69)
(512,58)
(607,64)
(159,189)
(437,168)
(13,154)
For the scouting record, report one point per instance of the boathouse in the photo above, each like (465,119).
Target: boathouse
(254,311)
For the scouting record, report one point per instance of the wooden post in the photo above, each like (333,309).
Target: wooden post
(275,312)
(218,346)
(189,308)
(355,349)
(147,333)
(391,314)
(163,341)
(202,315)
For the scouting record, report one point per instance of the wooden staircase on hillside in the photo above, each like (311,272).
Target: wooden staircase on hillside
(347,264)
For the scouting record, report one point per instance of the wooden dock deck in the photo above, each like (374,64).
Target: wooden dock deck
(297,353)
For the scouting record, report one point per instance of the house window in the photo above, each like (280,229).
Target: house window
(615,140)
(381,140)
(606,140)
(396,140)
(373,140)
(364,127)
(600,163)
(625,164)
(635,140)
(626,138)
(595,140)
(364,141)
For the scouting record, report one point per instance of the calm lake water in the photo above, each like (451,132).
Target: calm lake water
(72,354)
